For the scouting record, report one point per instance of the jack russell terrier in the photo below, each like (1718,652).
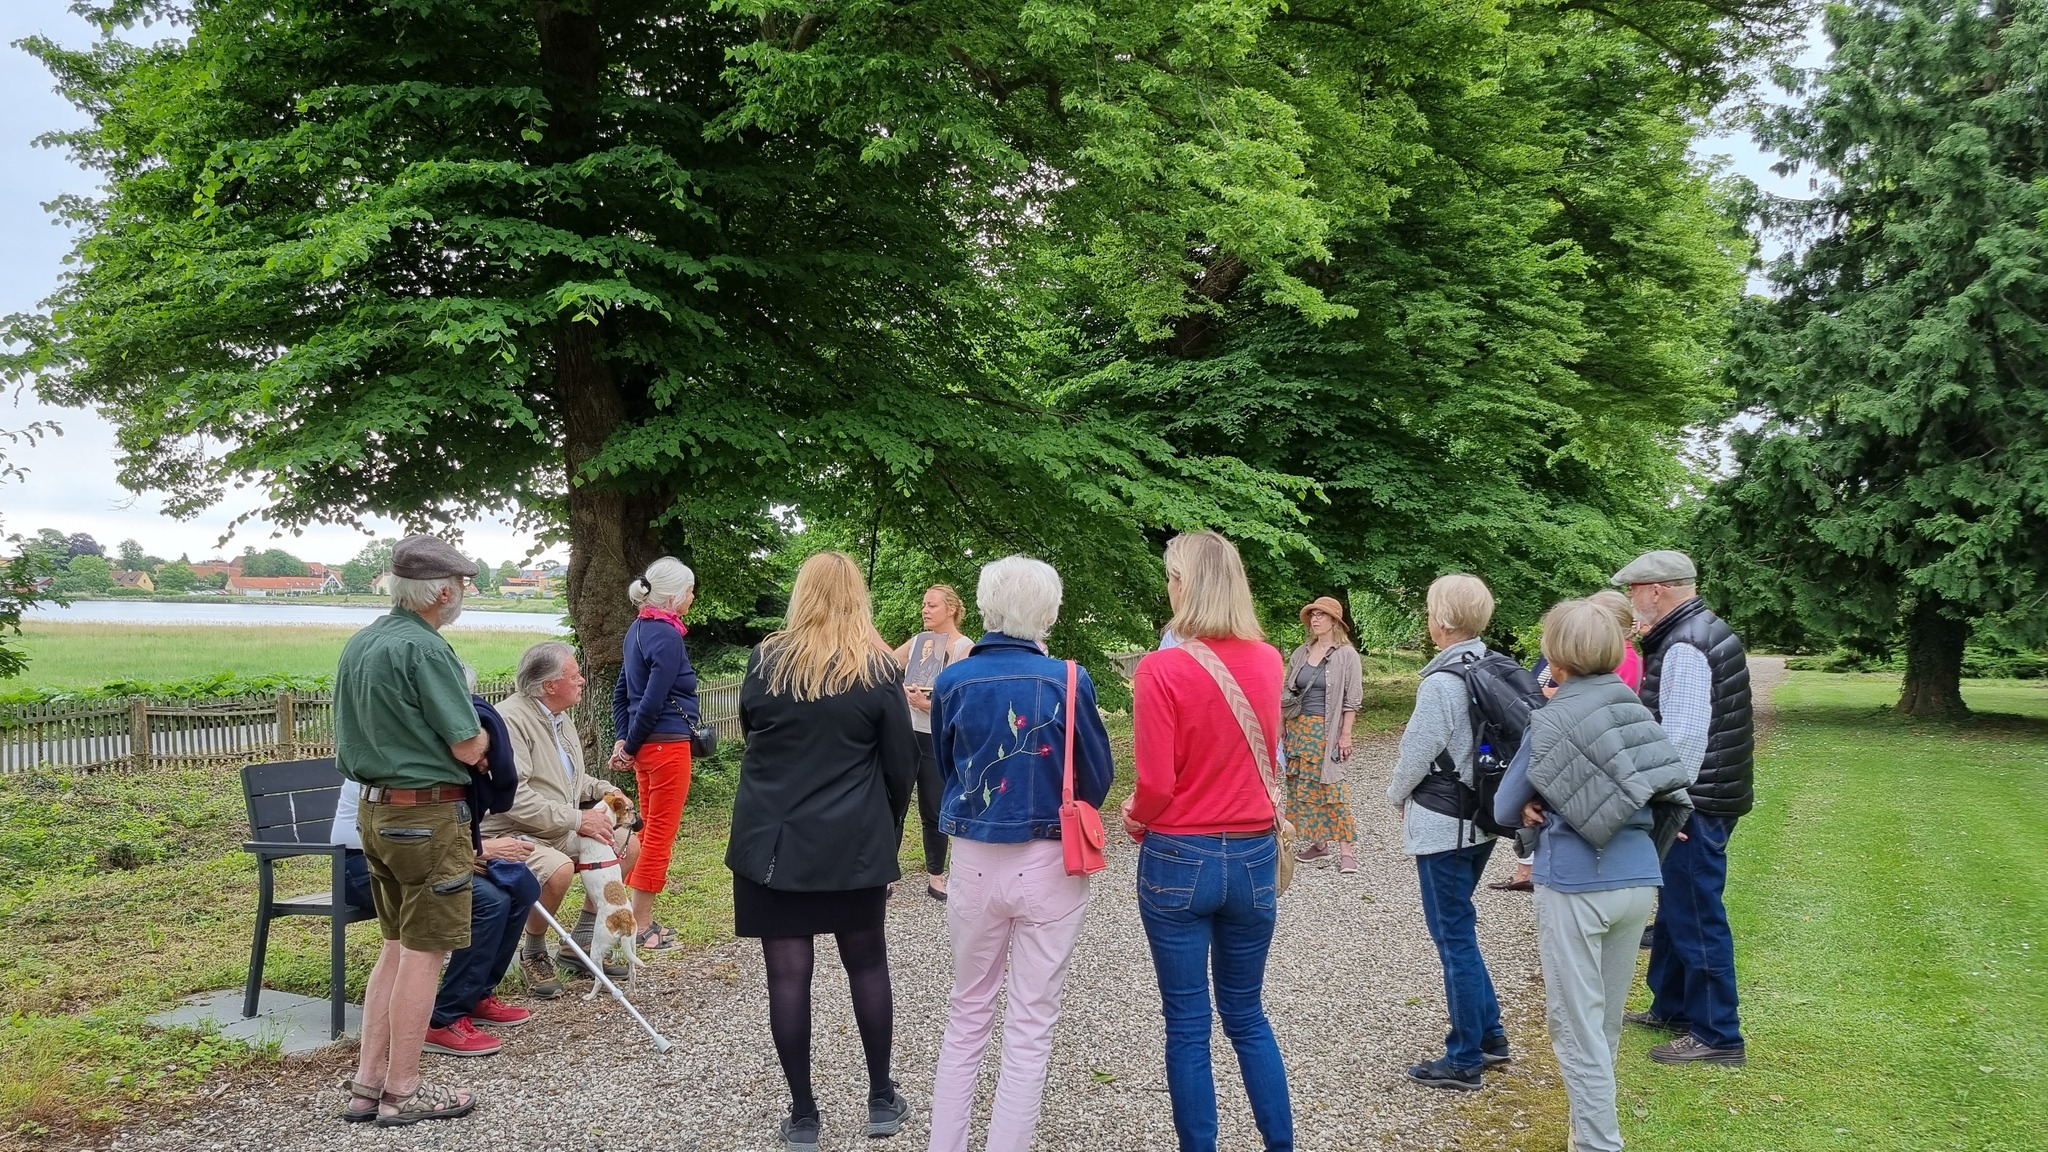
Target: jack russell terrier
(605,890)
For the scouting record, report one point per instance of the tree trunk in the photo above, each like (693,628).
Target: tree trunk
(1934,664)
(610,535)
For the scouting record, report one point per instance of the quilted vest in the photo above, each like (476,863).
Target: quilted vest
(1726,785)
(1598,757)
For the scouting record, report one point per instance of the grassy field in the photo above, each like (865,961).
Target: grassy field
(1889,898)
(71,656)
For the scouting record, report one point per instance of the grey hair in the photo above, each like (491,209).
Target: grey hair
(420,595)
(1019,596)
(665,584)
(539,664)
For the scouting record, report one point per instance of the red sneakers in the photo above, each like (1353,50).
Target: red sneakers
(460,1039)
(493,1011)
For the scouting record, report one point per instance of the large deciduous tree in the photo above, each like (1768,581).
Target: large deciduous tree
(599,262)
(1899,479)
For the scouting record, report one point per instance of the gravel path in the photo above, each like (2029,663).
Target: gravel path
(1354,991)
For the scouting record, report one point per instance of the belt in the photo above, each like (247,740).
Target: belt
(1259,835)
(438,794)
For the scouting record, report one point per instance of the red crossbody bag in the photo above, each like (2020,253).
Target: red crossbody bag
(1081,838)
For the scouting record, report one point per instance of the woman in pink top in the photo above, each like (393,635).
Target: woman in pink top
(1204,814)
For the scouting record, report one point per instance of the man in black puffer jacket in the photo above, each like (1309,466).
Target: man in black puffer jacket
(1696,682)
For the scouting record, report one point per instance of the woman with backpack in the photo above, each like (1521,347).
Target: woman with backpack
(1449,847)
(1207,724)
(1605,790)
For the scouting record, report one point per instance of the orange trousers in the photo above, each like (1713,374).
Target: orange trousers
(663,770)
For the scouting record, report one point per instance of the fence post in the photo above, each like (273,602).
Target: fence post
(138,732)
(287,728)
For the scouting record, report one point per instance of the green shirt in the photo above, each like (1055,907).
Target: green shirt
(399,702)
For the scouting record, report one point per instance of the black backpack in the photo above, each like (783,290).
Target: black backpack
(1500,694)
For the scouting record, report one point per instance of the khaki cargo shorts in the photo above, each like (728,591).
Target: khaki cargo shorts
(421,867)
(544,861)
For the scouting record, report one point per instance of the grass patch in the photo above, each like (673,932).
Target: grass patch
(77,656)
(1890,907)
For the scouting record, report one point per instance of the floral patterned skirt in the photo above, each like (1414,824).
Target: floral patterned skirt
(1320,812)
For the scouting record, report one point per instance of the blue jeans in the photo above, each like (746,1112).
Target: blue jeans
(1448,879)
(498,904)
(1208,904)
(1692,951)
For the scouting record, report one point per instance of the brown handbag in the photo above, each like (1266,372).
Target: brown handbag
(1255,735)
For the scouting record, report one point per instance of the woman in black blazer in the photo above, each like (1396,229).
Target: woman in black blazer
(824,785)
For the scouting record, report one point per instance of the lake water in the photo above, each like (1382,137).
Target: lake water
(270,613)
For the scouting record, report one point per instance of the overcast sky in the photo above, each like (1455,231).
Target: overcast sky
(70,484)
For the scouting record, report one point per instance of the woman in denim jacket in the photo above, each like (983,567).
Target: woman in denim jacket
(999,727)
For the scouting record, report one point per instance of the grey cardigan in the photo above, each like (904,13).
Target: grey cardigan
(1598,757)
(1442,722)
(1344,679)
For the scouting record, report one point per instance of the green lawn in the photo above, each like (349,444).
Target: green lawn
(1889,897)
(72,656)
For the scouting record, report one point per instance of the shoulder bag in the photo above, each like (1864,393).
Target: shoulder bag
(1255,735)
(1081,838)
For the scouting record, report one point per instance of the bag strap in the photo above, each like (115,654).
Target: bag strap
(1247,720)
(1067,785)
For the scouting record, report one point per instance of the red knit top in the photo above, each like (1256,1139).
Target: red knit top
(1196,775)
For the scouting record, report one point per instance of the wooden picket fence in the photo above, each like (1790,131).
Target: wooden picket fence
(138,732)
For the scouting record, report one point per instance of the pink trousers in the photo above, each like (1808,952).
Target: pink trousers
(1008,906)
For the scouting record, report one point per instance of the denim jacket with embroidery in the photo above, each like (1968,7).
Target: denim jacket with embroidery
(999,734)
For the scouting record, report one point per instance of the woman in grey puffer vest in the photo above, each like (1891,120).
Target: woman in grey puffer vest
(1606,791)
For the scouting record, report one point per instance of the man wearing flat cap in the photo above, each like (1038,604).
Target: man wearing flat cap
(1696,682)
(406,730)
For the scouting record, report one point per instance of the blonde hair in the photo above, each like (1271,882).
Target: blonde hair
(1581,638)
(951,600)
(665,584)
(1215,597)
(1616,603)
(826,647)
(1460,604)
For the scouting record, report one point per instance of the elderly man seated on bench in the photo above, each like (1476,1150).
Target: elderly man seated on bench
(554,803)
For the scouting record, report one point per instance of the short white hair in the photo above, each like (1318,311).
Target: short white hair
(667,581)
(539,664)
(1019,596)
(420,595)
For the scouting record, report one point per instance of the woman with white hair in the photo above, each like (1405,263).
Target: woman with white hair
(1002,722)
(654,713)
(1434,772)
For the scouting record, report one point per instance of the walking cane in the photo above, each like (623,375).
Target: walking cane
(661,1043)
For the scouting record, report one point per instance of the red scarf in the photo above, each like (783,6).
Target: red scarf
(649,613)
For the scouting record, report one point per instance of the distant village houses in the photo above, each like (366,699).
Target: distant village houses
(283,585)
(130,578)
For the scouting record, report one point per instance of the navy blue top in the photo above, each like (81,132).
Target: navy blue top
(1565,860)
(656,694)
(999,731)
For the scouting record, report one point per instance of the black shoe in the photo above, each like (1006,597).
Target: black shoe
(1687,1049)
(1440,1074)
(1646,1020)
(1494,1053)
(799,1133)
(887,1112)
(1649,933)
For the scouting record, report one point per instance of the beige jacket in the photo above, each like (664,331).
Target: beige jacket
(1344,682)
(546,805)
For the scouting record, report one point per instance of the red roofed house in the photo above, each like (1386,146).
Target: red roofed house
(283,585)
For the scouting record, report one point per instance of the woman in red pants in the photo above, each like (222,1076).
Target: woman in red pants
(654,712)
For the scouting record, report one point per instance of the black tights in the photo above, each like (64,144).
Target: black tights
(865,955)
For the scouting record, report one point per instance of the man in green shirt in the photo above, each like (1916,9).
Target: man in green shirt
(405,728)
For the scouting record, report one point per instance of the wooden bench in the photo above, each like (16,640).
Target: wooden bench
(291,814)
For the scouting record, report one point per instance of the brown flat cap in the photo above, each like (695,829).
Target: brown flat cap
(428,558)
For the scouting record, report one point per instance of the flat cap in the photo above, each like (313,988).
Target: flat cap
(1660,567)
(428,558)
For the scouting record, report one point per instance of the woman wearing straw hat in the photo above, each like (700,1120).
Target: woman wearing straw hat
(1324,686)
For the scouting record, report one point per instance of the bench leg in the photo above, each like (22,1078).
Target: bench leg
(262,940)
(338,961)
